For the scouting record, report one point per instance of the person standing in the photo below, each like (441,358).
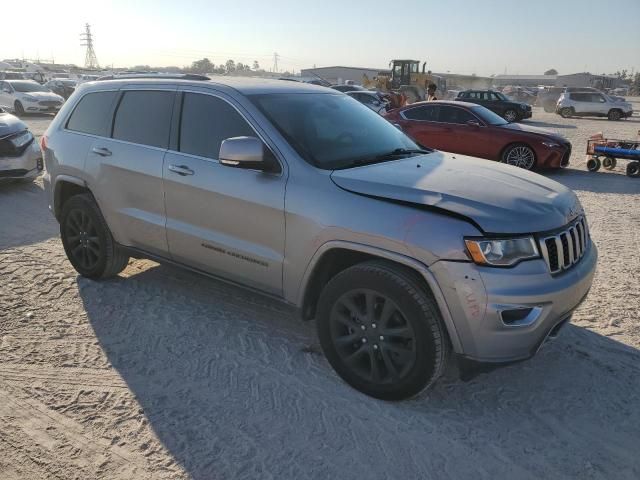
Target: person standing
(431,92)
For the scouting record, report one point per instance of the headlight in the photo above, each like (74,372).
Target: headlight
(523,106)
(550,144)
(22,139)
(29,98)
(503,252)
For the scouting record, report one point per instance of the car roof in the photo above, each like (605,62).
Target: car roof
(245,85)
(453,103)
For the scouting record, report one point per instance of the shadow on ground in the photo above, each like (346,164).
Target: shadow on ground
(602,181)
(234,387)
(23,207)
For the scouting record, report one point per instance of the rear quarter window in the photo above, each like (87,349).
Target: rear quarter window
(144,117)
(92,114)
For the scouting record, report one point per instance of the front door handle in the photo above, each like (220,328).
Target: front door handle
(102,151)
(181,170)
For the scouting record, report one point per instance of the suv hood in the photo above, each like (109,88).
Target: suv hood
(10,124)
(498,198)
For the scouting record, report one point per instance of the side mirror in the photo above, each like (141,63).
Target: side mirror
(473,123)
(245,152)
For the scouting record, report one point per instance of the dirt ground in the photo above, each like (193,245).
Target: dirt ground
(163,374)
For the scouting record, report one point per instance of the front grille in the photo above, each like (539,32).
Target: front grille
(564,249)
(49,103)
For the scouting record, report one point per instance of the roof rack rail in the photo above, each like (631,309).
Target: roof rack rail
(168,76)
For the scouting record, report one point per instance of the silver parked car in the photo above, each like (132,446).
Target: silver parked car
(400,254)
(592,104)
(20,156)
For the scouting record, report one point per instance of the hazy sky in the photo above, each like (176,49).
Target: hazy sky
(464,36)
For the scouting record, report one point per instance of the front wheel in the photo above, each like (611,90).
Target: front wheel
(521,156)
(381,331)
(511,116)
(18,108)
(614,115)
(87,240)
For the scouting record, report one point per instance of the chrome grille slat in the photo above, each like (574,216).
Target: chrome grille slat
(565,248)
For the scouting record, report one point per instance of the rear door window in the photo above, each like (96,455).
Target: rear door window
(426,113)
(206,122)
(144,117)
(581,97)
(93,114)
(454,115)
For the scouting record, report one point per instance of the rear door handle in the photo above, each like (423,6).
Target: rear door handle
(181,170)
(102,151)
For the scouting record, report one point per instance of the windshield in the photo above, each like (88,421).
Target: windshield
(502,97)
(332,131)
(28,87)
(488,116)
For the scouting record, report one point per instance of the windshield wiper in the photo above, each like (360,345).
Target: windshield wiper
(398,152)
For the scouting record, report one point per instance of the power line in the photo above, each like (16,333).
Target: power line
(90,59)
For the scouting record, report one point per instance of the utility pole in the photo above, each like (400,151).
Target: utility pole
(90,60)
(275,61)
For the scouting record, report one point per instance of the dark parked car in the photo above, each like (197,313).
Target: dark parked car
(496,102)
(348,88)
(469,129)
(62,86)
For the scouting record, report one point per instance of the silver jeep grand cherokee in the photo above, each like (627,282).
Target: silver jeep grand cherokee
(401,254)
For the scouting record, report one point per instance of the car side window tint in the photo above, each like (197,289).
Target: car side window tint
(206,122)
(428,114)
(494,96)
(90,115)
(454,115)
(144,117)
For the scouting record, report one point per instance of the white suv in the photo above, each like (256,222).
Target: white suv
(592,104)
(27,96)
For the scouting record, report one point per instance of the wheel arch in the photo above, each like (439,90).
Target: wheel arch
(66,187)
(335,256)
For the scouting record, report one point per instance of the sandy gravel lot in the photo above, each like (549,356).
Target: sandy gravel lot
(162,374)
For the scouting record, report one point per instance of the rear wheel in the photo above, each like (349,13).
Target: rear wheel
(609,163)
(633,169)
(566,112)
(381,331)
(614,115)
(520,155)
(511,115)
(593,164)
(18,108)
(87,240)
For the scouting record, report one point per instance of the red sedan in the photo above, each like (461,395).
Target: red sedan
(470,129)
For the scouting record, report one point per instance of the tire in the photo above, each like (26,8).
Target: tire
(614,115)
(609,163)
(18,108)
(633,169)
(510,115)
(566,112)
(381,331)
(87,241)
(593,164)
(519,155)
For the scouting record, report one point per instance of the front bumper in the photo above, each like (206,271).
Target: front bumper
(525,114)
(50,106)
(478,297)
(27,165)
(628,114)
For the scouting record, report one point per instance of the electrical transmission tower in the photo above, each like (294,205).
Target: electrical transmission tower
(90,60)
(275,61)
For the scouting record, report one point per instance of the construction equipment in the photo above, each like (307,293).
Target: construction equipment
(406,78)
